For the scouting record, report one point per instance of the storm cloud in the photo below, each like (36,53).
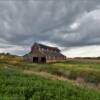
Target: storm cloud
(65,23)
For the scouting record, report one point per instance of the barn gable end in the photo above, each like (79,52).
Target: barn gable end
(43,53)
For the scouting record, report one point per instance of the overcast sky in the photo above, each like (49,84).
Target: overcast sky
(72,25)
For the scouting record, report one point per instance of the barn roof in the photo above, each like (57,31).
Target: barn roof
(47,47)
(51,52)
(41,54)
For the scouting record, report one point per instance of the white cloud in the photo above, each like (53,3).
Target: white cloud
(86,51)
(74,26)
(14,49)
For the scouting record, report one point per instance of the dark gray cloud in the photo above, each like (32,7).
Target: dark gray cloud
(66,23)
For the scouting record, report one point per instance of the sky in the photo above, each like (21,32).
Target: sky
(71,25)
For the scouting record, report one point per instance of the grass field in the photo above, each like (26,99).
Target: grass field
(87,72)
(15,85)
(19,81)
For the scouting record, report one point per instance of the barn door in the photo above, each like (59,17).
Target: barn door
(35,59)
(43,59)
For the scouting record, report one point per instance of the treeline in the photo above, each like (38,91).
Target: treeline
(7,54)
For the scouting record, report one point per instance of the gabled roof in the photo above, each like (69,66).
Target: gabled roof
(46,47)
(51,52)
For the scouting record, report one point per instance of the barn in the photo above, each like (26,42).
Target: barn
(43,53)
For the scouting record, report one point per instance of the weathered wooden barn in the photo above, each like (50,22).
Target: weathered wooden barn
(43,53)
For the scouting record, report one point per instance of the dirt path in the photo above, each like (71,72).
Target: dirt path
(77,82)
(46,75)
(55,77)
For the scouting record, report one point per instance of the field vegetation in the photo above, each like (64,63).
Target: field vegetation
(17,84)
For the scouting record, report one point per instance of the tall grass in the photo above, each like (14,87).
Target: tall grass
(15,85)
(88,72)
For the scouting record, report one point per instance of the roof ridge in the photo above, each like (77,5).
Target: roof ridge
(43,45)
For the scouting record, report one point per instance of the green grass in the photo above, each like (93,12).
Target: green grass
(15,85)
(78,64)
(88,71)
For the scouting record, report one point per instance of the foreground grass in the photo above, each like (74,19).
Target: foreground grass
(15,85)
(86,72)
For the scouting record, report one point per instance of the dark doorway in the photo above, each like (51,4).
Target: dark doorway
(35,59)
(43,59)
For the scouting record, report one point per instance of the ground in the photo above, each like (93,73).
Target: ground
(68,80)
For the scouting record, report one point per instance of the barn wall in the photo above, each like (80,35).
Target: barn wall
(28,58)
(36,51)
